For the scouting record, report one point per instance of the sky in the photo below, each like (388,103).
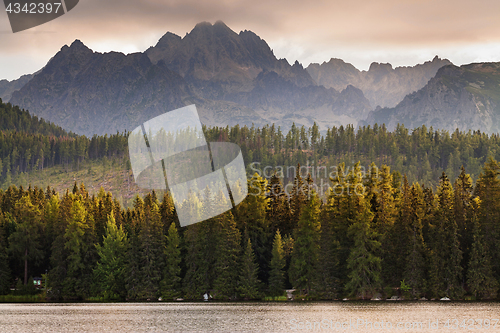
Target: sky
(401,32)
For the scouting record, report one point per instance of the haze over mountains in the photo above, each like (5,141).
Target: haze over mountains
(236,79)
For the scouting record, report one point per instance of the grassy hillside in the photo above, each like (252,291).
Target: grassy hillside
(111,174)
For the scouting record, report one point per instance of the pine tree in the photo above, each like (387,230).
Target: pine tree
(110,270)
(363,264)
(171,282)
(305,255)
(248,287)
(480,278)
(276,276)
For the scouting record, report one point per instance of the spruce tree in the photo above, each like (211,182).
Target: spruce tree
(328,277)
(25,243)
(171,282)
(414,273)
(250,216)
(200,259)
(226,255)
(278,211)
(488,189)
(110,269)
(133,229)
(463,215)
(248,287)
(5,277)
(276,276)
(151,260)
(305,255)
(363,264)
(337,216)
(298,197)
(78,243)
(397,239)
(446,269)
(480,278)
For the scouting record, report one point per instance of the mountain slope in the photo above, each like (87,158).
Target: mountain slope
(382,85)
(93,93)
(8,87)
(219,61)
(232,78)
(466,97)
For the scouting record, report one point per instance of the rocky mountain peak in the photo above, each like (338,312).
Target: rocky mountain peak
(377,67)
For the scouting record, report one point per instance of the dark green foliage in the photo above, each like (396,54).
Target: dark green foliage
(488,189)
(79,245)
(373,231)
(446,270)
(151,253)
(171,282)
(480,279)
(363,264)
(414,272)
(227,253)
(110,270)
(248,287)
(5,277)
(25,242)
(304,263)
(276,275)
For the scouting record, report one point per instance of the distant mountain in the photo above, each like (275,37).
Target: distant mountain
(92,93)
(382,85)
(466,97)
(8,87)
(232,78)
(220,62)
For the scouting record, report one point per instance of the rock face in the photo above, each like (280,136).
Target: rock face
(381,84)
(232,78)
(214,56)
(8,87)
(93,93)
(466,97)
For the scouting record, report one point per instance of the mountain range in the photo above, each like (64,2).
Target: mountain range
(235,78)
(465,97)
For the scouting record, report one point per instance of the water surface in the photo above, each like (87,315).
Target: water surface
(250,317)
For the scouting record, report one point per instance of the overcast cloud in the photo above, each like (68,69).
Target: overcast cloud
(402,32)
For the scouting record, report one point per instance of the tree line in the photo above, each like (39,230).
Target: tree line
(373,234)
(28,143)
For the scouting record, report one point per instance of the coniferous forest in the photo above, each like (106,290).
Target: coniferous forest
(422,219)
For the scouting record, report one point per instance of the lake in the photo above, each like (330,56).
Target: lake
(251,317)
